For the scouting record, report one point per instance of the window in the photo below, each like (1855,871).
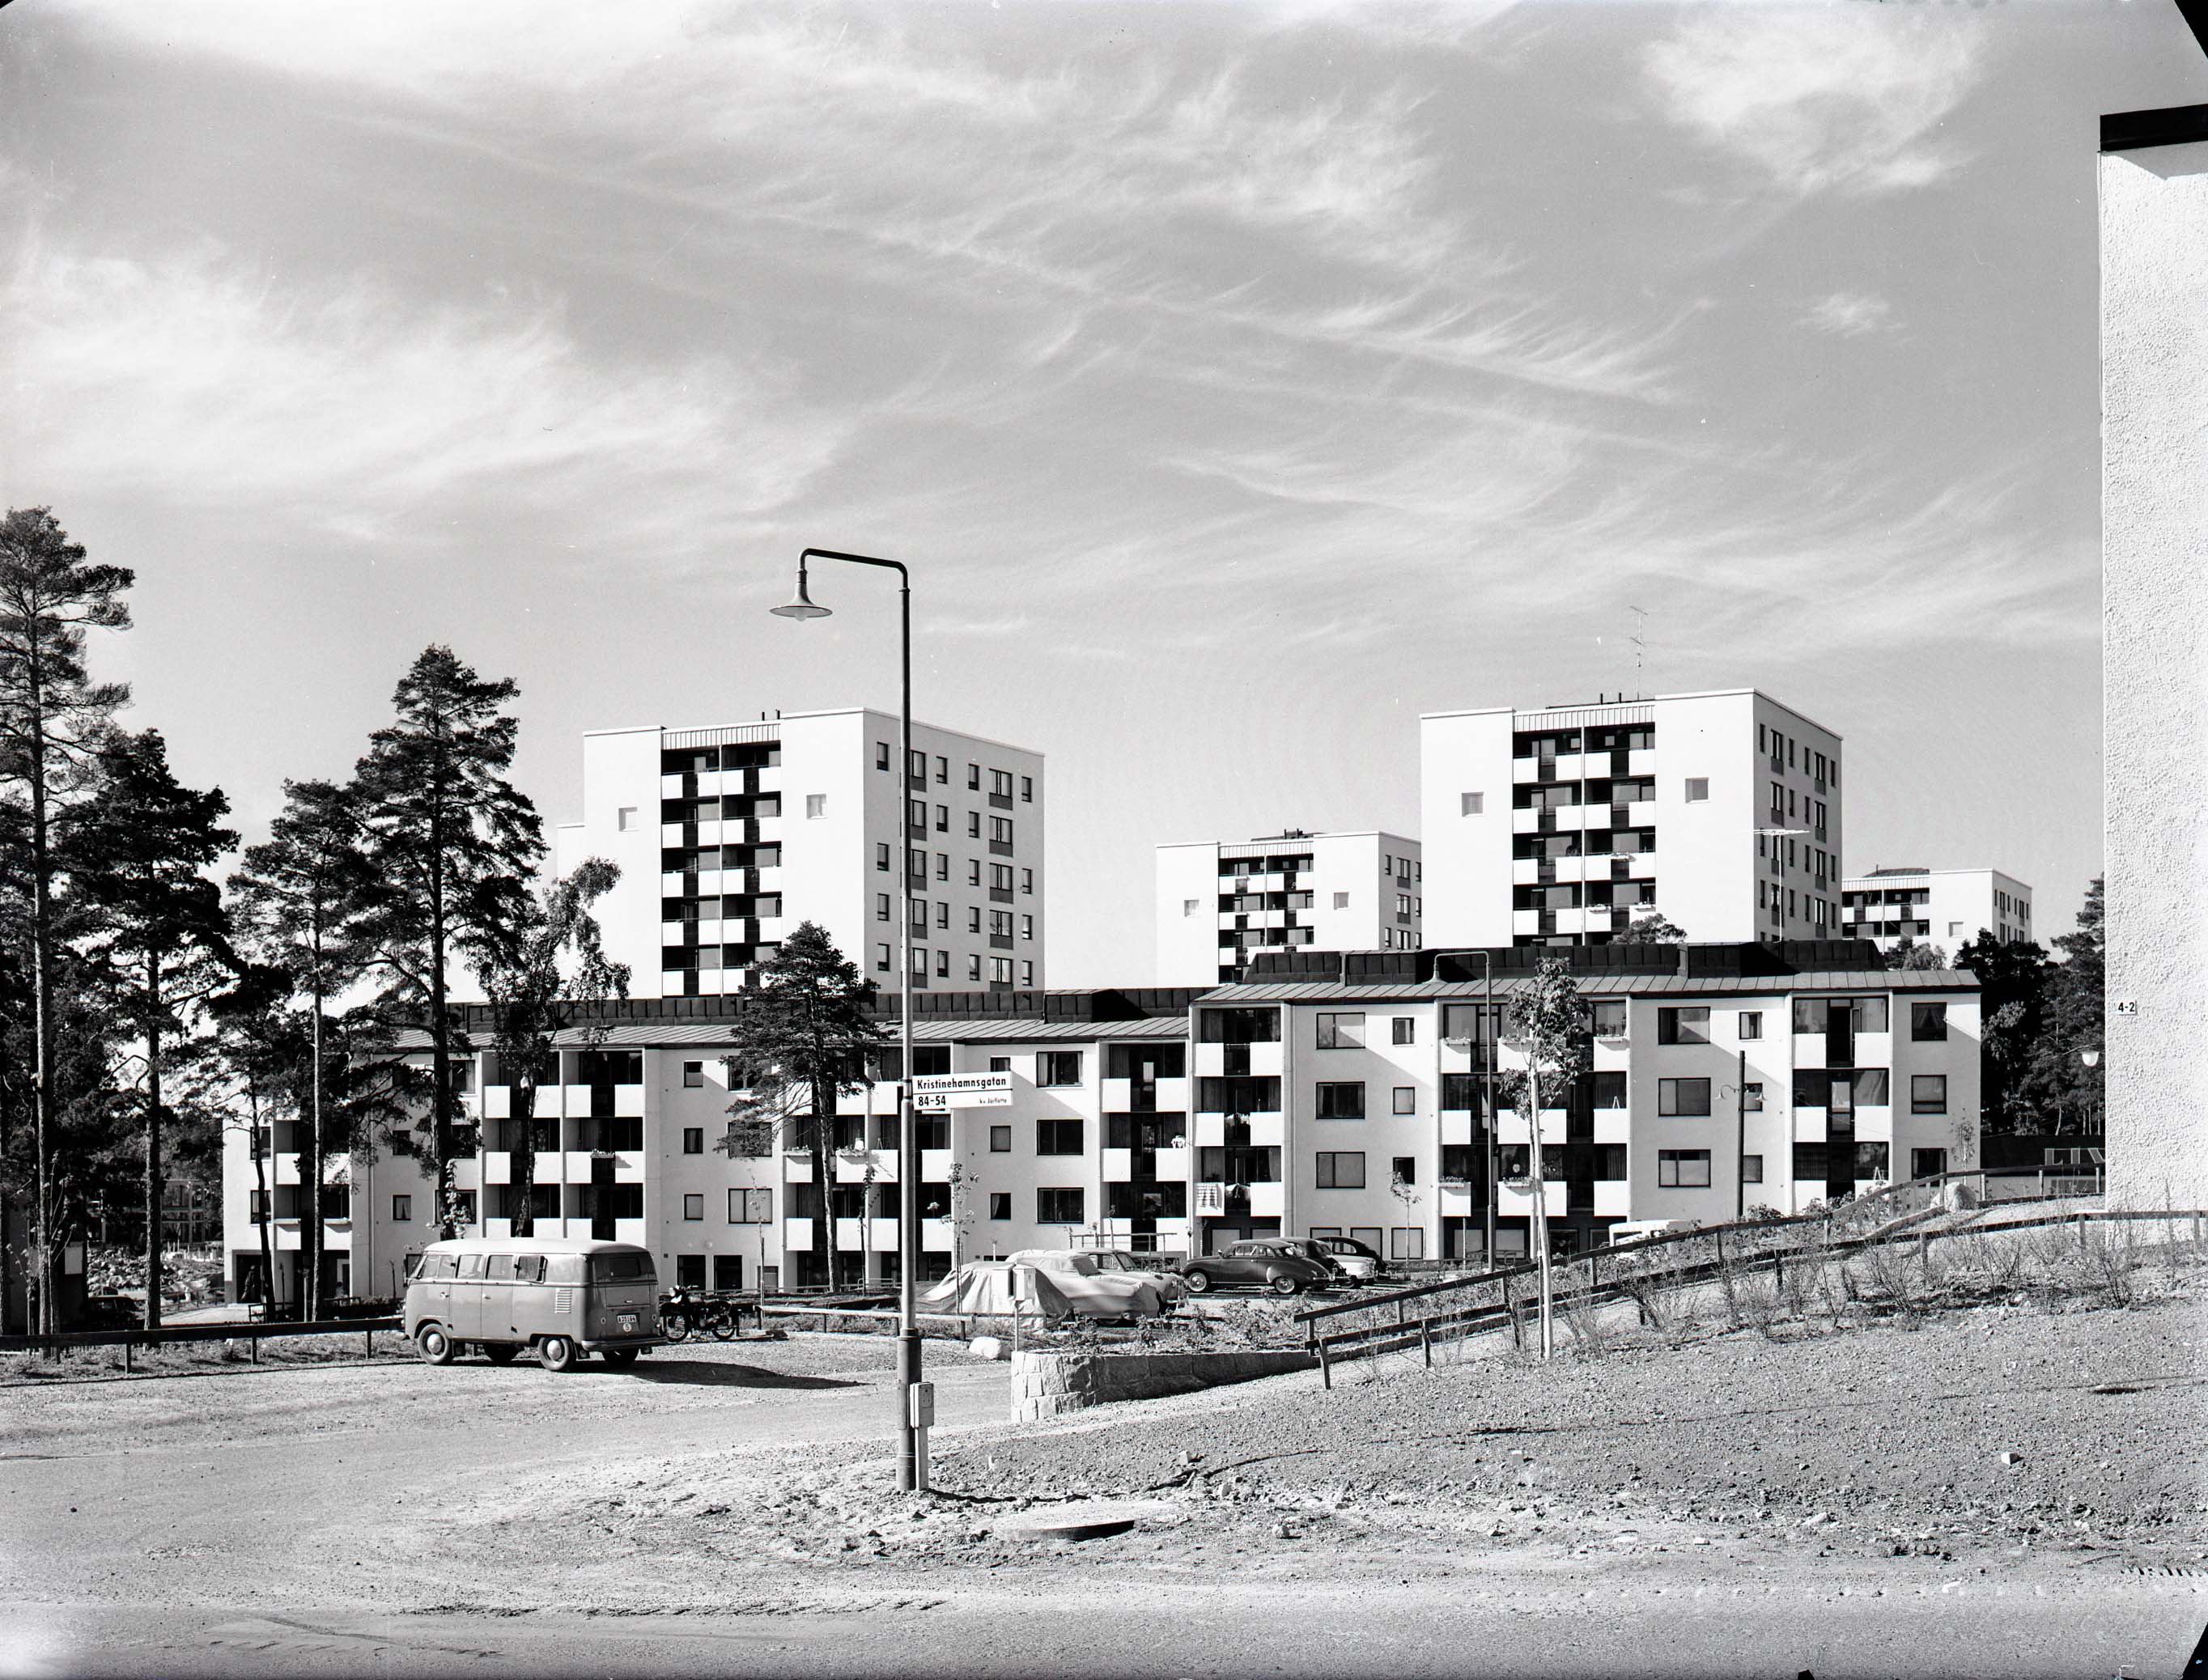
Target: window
(1683,1097)
(1407,1099)
(1682,1169)
(1000,1140)
(942,770)
(1027,927)
(693,1140)
(882,958)
(882,856)
(1471,804)
(1000,1205)
(1751,1097)
(1027,790)
(1027,883)
(1059,1207)
(1058,1137)
(466,1203)
(943,965)
(881,755)
(1403,1169)
(973,825)
(1027,972)
(943,820)
(1698,790)
(1608,1015)
(1341,901)
(943,865)
(402,1210)
(1682,1026)
(1341,1100)
(1751,1169)
(816,806)
(694,1206)
(1927,1022)
(1610,1161)
(1341,1169)
(1000,831)
(693,1075)
(1928,1093)
(1405,1030)
(1342,1031)
(1058,1067)
(1751,1023)
(624,817)
(974,777)
(753,1206)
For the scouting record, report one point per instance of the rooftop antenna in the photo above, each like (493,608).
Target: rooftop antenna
(1640,639)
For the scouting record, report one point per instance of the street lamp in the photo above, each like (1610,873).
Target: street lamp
(912,1435)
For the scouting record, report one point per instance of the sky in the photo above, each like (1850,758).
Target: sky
(1239,382)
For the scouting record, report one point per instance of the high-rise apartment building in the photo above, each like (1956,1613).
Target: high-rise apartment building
(1562,825)
(728,837)
(1218,904)
(1945,908)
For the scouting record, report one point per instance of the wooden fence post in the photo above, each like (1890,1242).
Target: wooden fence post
(1427,1341)
(1325,1365)
(127,1366)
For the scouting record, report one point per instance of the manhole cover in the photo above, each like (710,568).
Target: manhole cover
(1080,1522)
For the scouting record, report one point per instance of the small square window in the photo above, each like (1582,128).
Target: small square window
(402,1210)
(1405,1029)
(1404,1169)
(816,806)
(1000,1140)
(693,1140)
(1191,906)
(1341,901)
(1407,1099)
(1751,1169)
(1751,1023)
(694,1206)
(1698,790)
(1000,1205)
(693,1075)
(1471,804)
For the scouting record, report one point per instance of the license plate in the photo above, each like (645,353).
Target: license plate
(628,1324)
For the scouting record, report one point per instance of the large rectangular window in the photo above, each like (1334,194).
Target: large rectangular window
(1341,1100)
(1682,1025)
(753,1206)
(1058,1137)
(1606,1090)
(1682,1169)
(1058,1067)
(1342,1031)
(1687,1098)
(1060,1206)
(1341,1169)
(1927,1022)
(1928,1093)
(1609,1017)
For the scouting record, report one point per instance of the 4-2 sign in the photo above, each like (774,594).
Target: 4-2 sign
(932,1093)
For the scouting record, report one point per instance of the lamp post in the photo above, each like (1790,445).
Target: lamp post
(912,1435)
(1488,1026)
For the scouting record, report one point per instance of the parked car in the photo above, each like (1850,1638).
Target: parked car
(1355,1261)
(1633,1230)
(1103,1283)
(1278,1263)
(561,1297)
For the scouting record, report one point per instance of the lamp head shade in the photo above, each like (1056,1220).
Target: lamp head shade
(800,605)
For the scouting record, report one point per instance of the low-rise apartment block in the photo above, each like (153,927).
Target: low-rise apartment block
(1946,908)
(1220,905)
(728,838)
(1328,1093)
(1562,825)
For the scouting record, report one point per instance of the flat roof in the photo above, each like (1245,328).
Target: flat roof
(1270,839)
(1642,700)
(1605,986)
(830,711)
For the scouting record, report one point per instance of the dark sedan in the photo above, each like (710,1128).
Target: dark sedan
(1280,1265)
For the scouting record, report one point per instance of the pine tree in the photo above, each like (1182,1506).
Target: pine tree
(136,855)
(53,719)
(452,846)
(2074,1023)
(531,1002)
(298,897)
(802,1041)
(2012,978)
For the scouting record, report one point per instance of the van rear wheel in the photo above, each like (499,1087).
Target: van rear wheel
(556,1352)
(434,1345)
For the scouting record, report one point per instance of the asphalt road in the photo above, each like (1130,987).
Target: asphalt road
(311,1522)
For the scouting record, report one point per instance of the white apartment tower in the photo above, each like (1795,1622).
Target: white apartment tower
(1945,908)
(1560,825)
(1218,903)
(728,837)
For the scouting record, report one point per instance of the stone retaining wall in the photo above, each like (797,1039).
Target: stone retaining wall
(1044,1385)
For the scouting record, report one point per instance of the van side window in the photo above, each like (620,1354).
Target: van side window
(438,1265)
(471,1265)
(500,1268)
(620,1268)
(563,1268)
(530,1267)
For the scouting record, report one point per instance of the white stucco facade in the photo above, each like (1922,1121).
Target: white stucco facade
(2154,501)
(1219,905)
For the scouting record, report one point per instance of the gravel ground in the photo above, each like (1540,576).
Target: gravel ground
(1974,1444)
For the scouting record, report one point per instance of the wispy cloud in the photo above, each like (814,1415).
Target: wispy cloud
(1836,97)
(1850,315)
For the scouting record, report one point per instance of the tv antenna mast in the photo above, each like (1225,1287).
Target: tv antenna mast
(1640,639)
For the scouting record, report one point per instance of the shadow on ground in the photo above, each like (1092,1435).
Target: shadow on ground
(718,1374)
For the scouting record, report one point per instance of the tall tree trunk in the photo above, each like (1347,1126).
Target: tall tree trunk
(313,1241)
(823,1226)
(154,1143)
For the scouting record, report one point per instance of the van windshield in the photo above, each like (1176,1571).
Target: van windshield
(620,1268)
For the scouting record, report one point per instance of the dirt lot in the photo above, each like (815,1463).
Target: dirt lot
(1793,1497)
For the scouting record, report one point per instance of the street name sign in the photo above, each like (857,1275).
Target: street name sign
(935,1092)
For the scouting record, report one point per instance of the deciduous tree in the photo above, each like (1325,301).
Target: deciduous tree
(1549,1027)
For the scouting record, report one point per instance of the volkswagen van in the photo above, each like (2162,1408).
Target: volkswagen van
(558,1297)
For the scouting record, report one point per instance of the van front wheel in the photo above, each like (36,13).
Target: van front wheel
(556,1352)
(434,1346)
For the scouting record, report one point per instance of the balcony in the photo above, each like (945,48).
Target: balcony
(1641,761)
(1613,1198)
(1171,1166)
(797,1233)
(1268,1201)
(1611,1125)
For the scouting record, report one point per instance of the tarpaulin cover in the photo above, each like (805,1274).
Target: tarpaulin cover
(984,1286)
